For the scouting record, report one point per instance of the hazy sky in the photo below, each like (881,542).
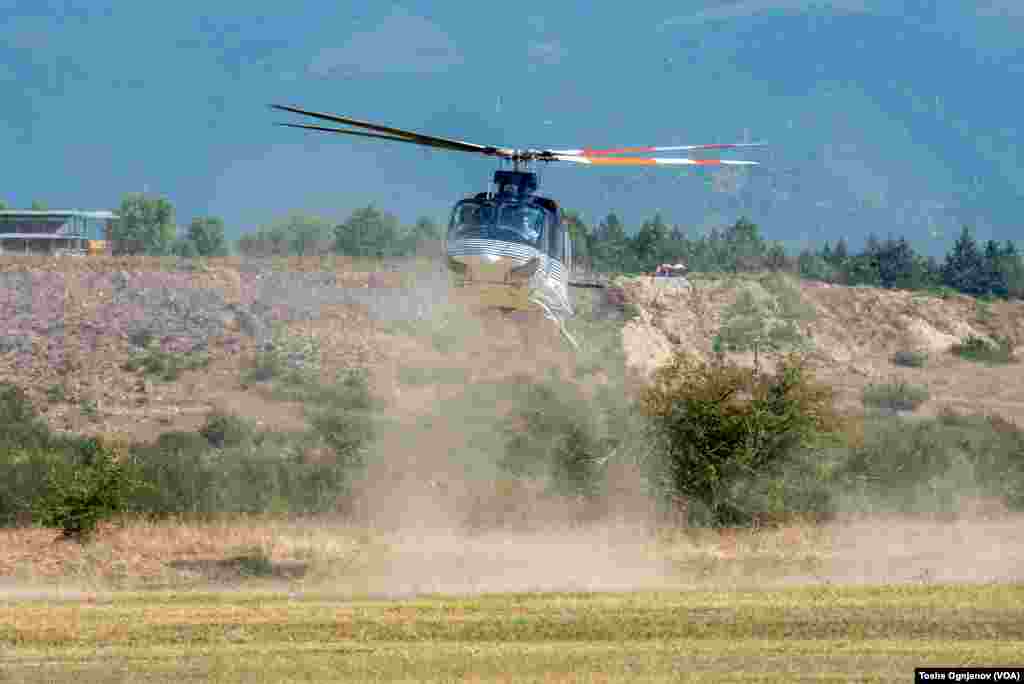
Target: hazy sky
(888,116)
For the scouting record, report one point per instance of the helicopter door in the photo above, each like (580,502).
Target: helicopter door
(568,250)
(556,238)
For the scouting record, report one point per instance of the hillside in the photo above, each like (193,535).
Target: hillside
(854,332)
(69,328)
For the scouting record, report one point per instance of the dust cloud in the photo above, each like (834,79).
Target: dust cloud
(435,496)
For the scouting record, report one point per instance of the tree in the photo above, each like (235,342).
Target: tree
(306,234)
(580,236)
(649,243)
(145,225)
(38,205)
(184,247)
(841,253)
(760,326)
(745,238)
(715,427)
(964,269)
(425,237)
(207,233)
(610,229)
(1013,269)
(995,278)
(610,245)
(367,232)
(896,264)
(3,205)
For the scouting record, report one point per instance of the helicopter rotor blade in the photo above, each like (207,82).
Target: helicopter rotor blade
(428,140)
(379,136)
(650,161)
(587,152)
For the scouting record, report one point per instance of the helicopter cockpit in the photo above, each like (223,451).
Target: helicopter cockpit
(504,219)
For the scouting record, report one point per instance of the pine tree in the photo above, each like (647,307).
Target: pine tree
(995,279)
(964,269)
(896,264)
(841,253)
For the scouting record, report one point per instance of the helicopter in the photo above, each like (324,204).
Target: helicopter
(508,247)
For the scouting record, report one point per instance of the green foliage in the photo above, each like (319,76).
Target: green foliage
(367,232)
(556,437)
(184,248)
(206,233)
(97,486)
(226,466)
(145,225)
(910,359)
(164,365)
(895,396)
(942,292)
(253,562)
(56,393)
(768,323)
(20,424)
(225,430)
(964,269)
(980,350)
(928,466)
(714,426)
(90,408)
(297,234)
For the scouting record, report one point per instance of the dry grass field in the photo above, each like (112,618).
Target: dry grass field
(279,601)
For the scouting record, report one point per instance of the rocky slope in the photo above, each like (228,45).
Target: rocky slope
(853,331)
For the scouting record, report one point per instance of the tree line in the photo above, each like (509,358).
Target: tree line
(146,225)
(992,269)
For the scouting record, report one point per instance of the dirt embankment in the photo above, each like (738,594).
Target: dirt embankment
(854,332)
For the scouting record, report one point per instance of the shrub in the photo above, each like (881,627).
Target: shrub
(555,437)
(910,359)
(930,465)
(714,425)
(895,396)
(20,425)
(56,393)
(165,365)
(97,485)
(225,430)
(977,349)
(759,325)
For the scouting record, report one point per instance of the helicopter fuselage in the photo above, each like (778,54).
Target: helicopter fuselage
(503,246)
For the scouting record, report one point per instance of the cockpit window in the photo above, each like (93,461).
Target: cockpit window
(512,222)
(469,219)
(523,219)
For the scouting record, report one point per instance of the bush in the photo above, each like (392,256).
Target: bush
(97,485)
(715,425)
(930,465)
(556,438)
(977,349)
(20,425)
(165,365)
(224,430)
(910,359)
(895,396)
